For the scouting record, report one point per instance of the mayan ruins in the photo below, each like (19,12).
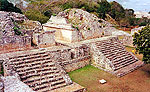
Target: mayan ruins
(37,57)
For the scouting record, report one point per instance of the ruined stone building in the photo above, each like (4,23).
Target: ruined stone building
(69,41)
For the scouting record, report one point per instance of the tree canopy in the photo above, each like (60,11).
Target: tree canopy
(6,6)
(142,42)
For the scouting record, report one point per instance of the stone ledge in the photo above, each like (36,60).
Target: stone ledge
(21,53)
(80,63)
(123,71)
(71,88)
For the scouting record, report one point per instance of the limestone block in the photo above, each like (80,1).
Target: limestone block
(45,39)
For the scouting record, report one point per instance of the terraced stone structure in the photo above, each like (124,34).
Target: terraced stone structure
(41,70)
(76,45)
(110,55)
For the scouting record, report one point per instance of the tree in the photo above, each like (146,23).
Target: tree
(142,42)
(103,9)
(6,6)
(117,11)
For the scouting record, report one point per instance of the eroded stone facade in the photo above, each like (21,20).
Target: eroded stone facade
(77,45)
(110,55)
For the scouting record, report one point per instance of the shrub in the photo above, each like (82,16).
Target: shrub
(142,42)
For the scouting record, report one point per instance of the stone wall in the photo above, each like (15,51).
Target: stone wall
(44,39)
(110,55)
(64,32)
(80,53)
(14,43)
(86,23)
(126,40)
(1,84)
(100,60)
(59,55)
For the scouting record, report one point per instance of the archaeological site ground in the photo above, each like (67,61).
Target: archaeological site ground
(69,53)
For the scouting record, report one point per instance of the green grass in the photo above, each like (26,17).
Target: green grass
(89,77)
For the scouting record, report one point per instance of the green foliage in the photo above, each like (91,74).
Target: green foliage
(36,16)
(117,11)
(41,10)
(143,24)
(77,28)
(16,30)
(103,9)
(6,6)
(67,6)
(138,21)
(142,43)
(54,14)
(2,70)
(48,13)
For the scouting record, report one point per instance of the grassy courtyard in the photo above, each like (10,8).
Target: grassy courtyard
(89,76)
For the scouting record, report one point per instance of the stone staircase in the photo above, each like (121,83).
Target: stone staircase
(115,52)
(39,72)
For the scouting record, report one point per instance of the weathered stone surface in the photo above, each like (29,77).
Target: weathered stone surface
(14,43)
(13,84)
(44,39)
(74,25)
(126,40)
(57,59)
(63,32)
(1,84)
(110,55)
(7,20)
(84,22)
(71,88)
(16,32)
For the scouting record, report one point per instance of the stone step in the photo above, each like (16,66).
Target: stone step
(61,84)
(41,73)
(117,61)
(34,64)
(124,65)
(42,88)
(57,82)
(47,89)
(117,56)
(125,61)
(38,78)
